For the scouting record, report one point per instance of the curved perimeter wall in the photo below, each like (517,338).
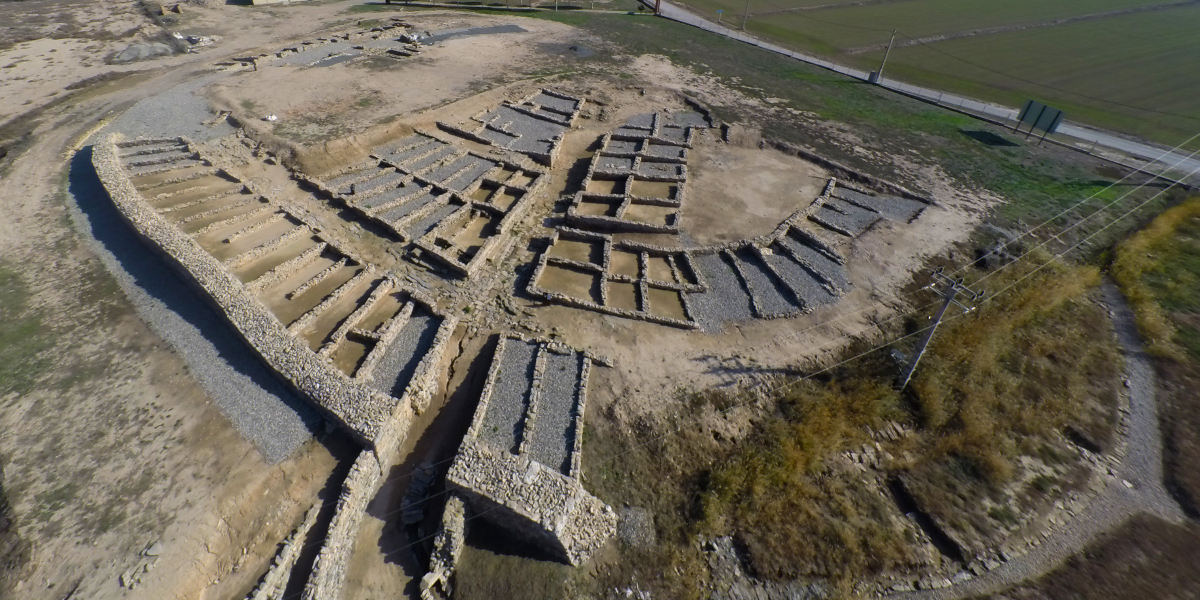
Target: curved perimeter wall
(373,418)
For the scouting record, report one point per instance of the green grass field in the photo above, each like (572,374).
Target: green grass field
(1102,71)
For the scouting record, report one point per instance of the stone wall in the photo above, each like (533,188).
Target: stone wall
(437,242)
(846,173)
(536,502)
(360,410)
(438,583)
(675,256)
(545,507)
(329,570)
(279,574)
(536,125)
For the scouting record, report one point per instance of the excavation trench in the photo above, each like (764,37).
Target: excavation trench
(908,505)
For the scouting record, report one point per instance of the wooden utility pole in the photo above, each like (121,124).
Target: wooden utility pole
(950,289)
(745,14)
(879,73)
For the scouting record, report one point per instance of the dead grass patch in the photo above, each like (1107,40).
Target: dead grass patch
(1158,269)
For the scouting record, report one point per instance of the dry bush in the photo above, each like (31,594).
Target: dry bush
(1158,269)
(1142,256)
(793,516)
(1005,381)
(1018,366)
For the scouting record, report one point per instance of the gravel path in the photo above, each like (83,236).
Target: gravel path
(823,265)
(533,132)
(479,166)
(255,400)
(424,226)
(551,442)
(506,409)
(1142,468)
(811,292)
(173,113)
(392,215)
(844,217)
(893,208)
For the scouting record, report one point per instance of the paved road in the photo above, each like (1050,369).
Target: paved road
(1180,162)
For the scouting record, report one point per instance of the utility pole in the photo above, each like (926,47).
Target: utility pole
(950,289)
(657,8)
(877,76)
(745,14)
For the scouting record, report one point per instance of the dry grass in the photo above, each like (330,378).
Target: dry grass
(1158,269)
(996,385)
(1002,383)
(795,517)
(1019,366)
(1152,266)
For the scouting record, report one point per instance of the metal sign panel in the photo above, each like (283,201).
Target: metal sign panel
(1039,116)
(1030,112)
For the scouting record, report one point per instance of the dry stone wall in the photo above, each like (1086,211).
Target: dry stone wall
(536,503)
(341,42)
(422,177)
(647,150)
(368,415)
(329,569)
(684,282)
(534,126)
(279,574)
(544,504)
(438,583)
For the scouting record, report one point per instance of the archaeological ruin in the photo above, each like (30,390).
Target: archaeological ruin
(358,284)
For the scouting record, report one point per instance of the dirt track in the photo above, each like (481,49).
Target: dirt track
(1117,502)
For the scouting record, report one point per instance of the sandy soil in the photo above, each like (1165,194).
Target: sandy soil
(118,447)
(189,479)
(350,100)
(737,193)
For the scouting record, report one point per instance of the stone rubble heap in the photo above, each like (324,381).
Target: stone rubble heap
(438,583)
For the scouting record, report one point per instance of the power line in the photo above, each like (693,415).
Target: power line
(983,67)
(1047,86)
(784,387)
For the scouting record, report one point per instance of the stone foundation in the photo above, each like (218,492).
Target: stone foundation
(368,415)
(543,504)
(534,126)
(275,582)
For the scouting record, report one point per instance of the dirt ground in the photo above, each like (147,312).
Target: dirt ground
(737,193)
(103,461)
